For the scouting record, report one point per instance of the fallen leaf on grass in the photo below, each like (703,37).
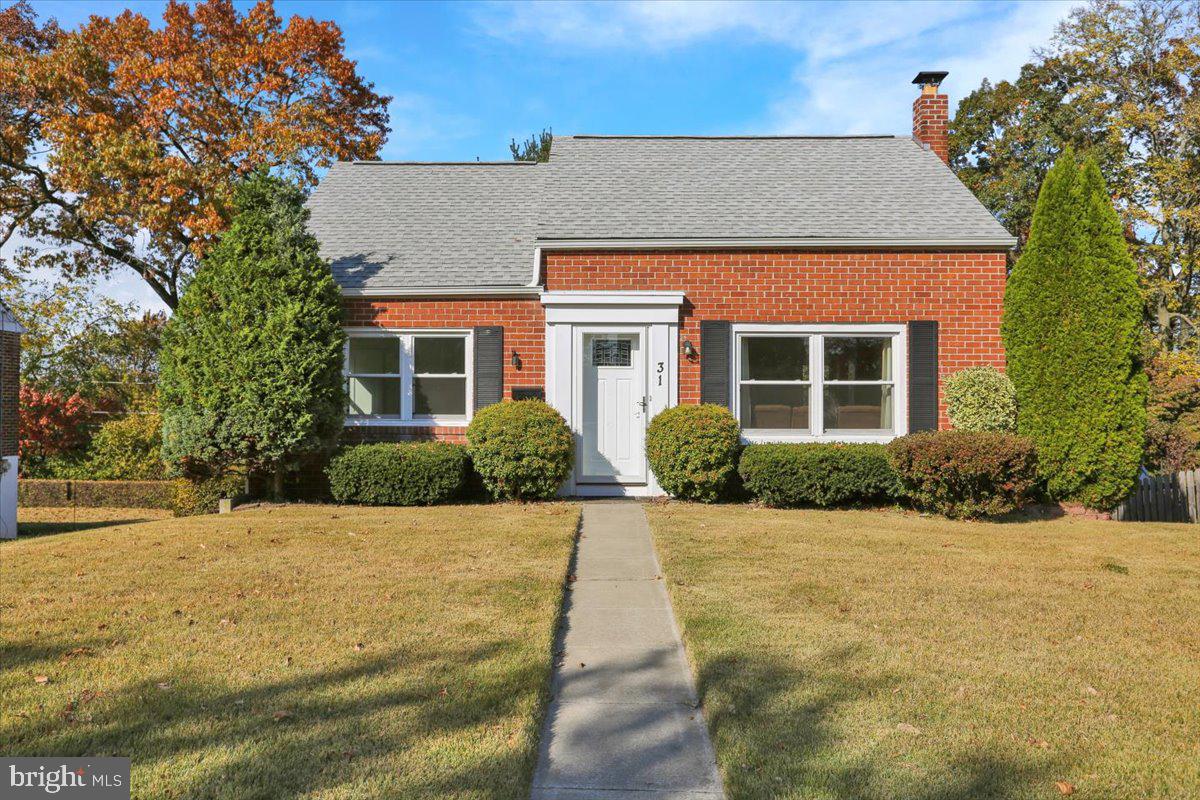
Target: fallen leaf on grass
(359,647)
(279,716)
(906,728)
(41,680)
(164,686)
(1042,743)
(1091,690)
(1064,787)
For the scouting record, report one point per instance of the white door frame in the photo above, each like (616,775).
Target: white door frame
(568,316)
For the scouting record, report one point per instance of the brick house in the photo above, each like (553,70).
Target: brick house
(820,287)
(10,382)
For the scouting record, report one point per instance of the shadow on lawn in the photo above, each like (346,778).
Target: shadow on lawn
(27,530)
(336,731)
(774,745)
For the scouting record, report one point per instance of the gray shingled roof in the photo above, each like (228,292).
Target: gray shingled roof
(410,225)
(735,188)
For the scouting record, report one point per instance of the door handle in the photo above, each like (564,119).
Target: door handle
(644,403)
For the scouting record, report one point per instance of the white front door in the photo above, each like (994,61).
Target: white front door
(614,404)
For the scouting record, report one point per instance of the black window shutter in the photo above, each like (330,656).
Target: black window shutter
(922,376)
(489,365)
(715,341)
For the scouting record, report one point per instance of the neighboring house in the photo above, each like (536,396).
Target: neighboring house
(820,287)
(10,382)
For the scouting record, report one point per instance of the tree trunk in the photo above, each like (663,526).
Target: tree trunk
(277,484)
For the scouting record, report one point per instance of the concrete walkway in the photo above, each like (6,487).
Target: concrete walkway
(623,722)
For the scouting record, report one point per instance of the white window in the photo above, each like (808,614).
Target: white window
(812,383)
(408,377)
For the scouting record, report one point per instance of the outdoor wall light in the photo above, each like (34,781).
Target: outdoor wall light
(515,360)
(688,350)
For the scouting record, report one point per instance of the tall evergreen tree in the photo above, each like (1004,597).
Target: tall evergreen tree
(1072,317)
(251,364)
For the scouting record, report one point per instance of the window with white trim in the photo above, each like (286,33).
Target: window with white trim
(408,377)
(807,382)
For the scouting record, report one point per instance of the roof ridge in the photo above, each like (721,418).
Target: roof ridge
(377,163)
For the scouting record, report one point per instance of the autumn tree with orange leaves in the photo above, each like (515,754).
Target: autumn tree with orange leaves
(120,143)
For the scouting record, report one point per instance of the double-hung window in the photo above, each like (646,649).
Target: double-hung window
(819,382)
(408,377)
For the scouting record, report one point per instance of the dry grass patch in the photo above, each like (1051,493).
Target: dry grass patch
(882,655)
(323,652)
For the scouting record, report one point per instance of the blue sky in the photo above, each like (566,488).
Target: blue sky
(467,77)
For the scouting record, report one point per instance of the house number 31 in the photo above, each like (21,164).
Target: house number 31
(660,372)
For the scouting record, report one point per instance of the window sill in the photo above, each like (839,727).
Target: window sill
(848,437)
(395,422)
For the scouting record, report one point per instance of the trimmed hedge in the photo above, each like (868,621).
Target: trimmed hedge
(522,449)
(784,475)
(407,474)
(115,494)
(190,498)
(965,474)
(693,451)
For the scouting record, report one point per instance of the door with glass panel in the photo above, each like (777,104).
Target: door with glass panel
(408,377)
(614,405)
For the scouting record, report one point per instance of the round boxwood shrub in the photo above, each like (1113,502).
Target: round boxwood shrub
(522,450)
(406,474)
(965,474)
(693,451)
(783,475)
(981,399)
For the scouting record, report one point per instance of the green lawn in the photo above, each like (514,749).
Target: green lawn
(885,655)
(316,652)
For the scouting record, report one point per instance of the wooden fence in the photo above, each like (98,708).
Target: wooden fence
(1163,498)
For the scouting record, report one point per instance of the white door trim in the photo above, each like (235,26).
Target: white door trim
(655,313)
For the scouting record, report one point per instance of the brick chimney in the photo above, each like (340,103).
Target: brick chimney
(931,114)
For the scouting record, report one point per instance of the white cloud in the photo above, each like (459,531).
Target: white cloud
(825,29)
(854,60)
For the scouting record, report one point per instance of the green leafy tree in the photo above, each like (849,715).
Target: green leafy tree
(252,358)
(1119,81)
(1072,321)
(535,148)
(78,341)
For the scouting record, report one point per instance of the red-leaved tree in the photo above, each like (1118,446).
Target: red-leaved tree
(51,424)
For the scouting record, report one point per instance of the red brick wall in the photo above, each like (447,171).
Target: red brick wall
(963,291)
(10,382)
(524,331)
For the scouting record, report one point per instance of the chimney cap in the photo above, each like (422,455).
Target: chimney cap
(930,78)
